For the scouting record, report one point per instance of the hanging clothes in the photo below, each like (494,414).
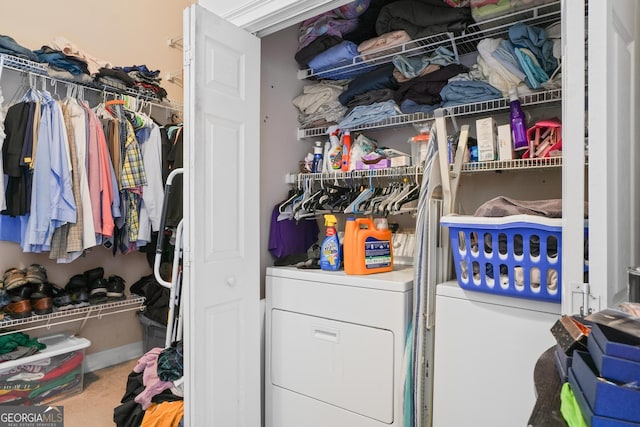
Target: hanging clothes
(175,159)
(3,204)
(15,129)
(99,177)
(153,191)
(78,123)
(52,201)
(73,178)
(68,237)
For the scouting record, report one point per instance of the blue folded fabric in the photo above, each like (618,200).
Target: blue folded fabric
(535,75)
(412,66)
(505,53)
(535,39)
(9,46)
(366,114)
(60,61)
(409,106)
(467,91)
(379,78)
(345,53)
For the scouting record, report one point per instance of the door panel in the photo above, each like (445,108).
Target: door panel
(221,196)
(613,156)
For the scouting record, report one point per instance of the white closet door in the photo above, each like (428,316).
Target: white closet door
(221,250)
(614,235)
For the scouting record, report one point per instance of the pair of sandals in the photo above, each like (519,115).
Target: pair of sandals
(15,277)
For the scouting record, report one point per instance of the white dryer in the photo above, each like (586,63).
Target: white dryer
(335,347)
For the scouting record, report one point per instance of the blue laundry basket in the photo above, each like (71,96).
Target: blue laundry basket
(517,255)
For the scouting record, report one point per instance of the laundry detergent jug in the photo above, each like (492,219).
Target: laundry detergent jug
(369,248)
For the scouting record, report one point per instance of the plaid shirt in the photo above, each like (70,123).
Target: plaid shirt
(133,174)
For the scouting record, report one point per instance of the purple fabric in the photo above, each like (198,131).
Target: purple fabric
(327,23)
(287,237)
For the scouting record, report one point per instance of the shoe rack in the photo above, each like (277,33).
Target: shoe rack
(82,314)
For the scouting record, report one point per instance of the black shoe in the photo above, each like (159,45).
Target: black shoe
(79,281)
(94,274)
(115,287)
(41,290)
(80,297)
(62,299)
(98,288)
(20,293)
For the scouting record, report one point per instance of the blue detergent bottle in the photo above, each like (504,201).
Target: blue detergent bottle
(330,255)
(317,158)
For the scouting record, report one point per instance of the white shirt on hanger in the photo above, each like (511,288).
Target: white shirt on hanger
(78,122)
(153,192)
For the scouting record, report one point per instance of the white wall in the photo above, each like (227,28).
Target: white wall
(119,31)
(280,151)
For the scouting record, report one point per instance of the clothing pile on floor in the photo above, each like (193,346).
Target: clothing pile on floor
(154,391)
(341,47)
(67,61)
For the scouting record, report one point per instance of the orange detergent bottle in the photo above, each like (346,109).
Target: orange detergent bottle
(369,248)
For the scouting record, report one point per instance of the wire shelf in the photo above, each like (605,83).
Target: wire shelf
(399,171)
(540,16)
(462,44)
(24,65)
(64,316)
(542,97)
(21,64)
(548,96)
(516,164)
(384,56)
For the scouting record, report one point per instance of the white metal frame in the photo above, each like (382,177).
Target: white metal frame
(175,270)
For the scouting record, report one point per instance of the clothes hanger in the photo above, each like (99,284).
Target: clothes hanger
(283,208)
(306,195)
(364,195)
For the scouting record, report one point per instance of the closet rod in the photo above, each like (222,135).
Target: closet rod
(40,70)
(104,91)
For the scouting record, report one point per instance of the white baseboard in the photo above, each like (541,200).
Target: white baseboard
(113,356)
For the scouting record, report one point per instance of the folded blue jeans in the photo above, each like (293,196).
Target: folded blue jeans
(9,46)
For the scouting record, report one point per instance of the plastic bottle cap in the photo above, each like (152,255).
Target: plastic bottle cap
(381,223)
(513,94)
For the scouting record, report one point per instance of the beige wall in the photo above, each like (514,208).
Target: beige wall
(123,32)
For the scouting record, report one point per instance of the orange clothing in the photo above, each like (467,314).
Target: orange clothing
(165,414)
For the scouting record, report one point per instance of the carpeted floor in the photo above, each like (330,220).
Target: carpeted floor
(102,392)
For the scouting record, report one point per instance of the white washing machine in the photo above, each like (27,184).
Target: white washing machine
(335,347)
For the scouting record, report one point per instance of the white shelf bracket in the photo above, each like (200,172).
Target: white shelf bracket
(175,42)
